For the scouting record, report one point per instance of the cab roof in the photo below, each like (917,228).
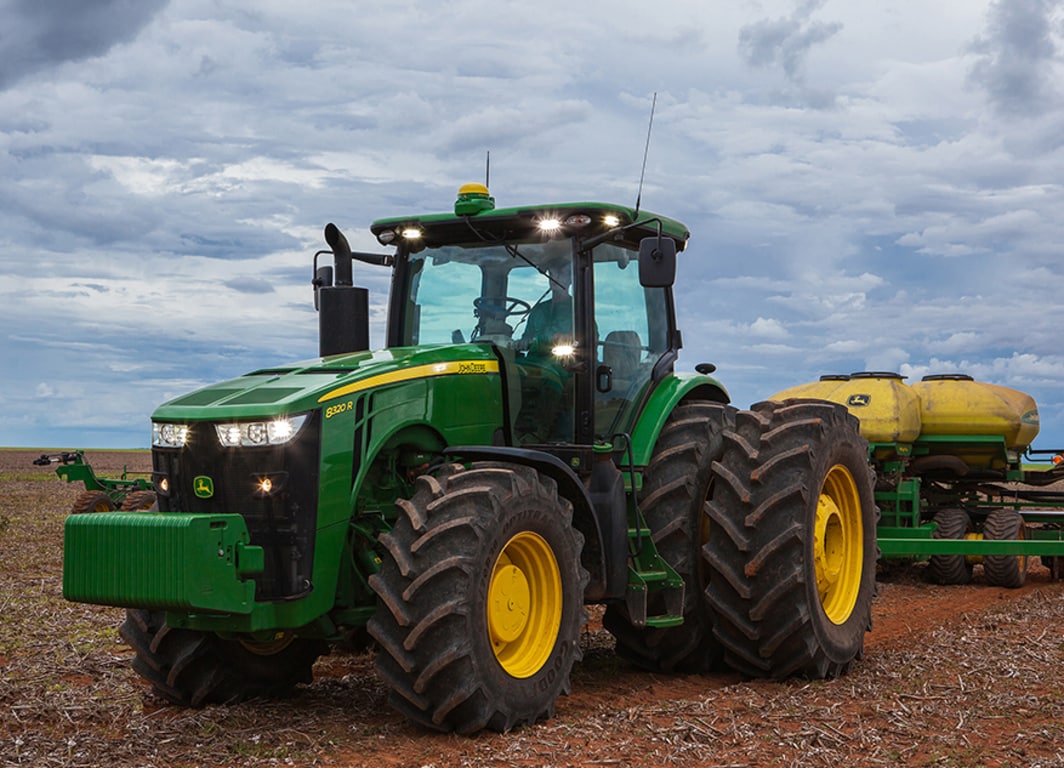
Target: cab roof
(475,218)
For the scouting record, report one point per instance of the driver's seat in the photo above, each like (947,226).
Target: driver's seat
(495,330)
(622,351)
(491,321)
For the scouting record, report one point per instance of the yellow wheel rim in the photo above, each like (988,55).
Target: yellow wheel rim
(838,546)
(524,604)
(973,559)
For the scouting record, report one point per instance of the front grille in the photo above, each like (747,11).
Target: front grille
(282,523)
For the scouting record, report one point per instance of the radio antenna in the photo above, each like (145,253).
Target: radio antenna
(646,151)
(487,170)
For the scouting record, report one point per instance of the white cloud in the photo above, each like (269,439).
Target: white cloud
(888,359)
(859,188)
(769,328)
(960,341)
(845,348)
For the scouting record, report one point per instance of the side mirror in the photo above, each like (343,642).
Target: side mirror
(657,262)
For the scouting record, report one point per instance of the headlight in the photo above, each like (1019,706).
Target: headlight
(254,433)
(169,435)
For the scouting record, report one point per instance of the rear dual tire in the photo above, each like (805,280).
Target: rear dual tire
(999,570)
(792,548)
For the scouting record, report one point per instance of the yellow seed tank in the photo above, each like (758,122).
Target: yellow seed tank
(938,406)
(955,404)
(888,409)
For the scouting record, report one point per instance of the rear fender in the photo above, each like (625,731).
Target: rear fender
(677,388)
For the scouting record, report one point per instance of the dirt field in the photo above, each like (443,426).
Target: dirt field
(952,676)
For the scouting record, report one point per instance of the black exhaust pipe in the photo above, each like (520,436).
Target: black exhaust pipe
(341,254)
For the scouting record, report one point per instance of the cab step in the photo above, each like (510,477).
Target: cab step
(648,573)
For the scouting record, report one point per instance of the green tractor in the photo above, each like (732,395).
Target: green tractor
(521,448)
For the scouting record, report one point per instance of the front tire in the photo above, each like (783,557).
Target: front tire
(193,668)
(792,544)
(480,599)
(676,489)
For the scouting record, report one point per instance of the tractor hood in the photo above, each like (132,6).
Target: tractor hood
(312,384)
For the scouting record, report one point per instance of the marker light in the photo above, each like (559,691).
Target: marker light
(611,220)
(257,433)
(578,220)
(269,485)
(549,225)
(169,435)
(386,237)
(411,233)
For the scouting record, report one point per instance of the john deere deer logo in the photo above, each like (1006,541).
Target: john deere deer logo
(203,486)
(858,401)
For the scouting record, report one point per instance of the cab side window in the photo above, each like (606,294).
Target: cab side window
(631,326)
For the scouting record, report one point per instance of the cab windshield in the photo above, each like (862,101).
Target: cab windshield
(460,293)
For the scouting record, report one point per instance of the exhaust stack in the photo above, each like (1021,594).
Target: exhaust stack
(343,309)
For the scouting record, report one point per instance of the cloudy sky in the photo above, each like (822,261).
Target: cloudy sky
(870,186)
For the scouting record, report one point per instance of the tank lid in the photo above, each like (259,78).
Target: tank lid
(947,377)
(876,375)
(835,377)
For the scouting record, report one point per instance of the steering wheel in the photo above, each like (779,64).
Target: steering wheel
(490,307)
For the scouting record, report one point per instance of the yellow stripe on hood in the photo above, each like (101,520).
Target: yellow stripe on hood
(461,367)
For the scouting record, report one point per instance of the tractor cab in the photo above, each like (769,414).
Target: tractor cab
(557,292)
